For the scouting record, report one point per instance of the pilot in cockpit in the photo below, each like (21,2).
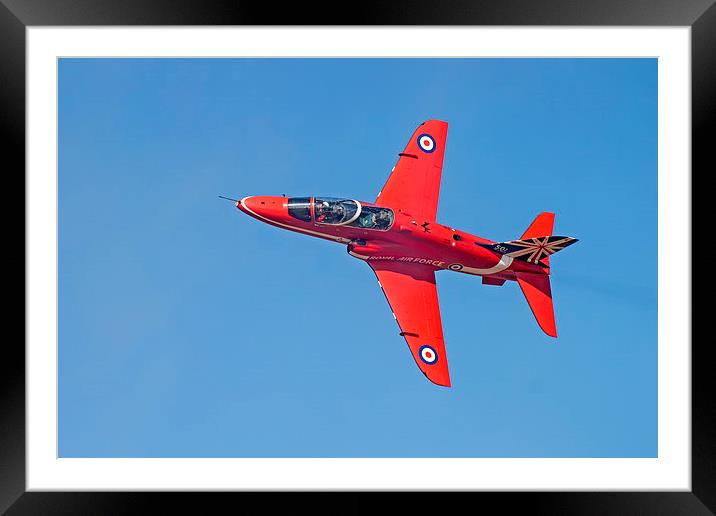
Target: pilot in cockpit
(329,212)
(382,220)
(321,211)
(338,212)
(367,220)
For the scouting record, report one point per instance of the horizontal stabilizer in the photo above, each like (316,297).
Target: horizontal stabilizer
(538,293)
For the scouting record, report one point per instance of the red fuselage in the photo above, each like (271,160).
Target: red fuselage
(396,236)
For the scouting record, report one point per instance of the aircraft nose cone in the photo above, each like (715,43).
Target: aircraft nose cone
(248,204)
(267,207)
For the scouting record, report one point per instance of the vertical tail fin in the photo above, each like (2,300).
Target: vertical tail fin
(538,293)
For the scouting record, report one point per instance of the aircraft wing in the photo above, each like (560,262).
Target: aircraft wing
(414,184)
(413,298)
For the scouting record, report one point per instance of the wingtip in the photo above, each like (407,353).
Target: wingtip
(435,120)
(550,331)
(441,382)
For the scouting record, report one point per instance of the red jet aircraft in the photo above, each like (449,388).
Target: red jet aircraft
(398,237)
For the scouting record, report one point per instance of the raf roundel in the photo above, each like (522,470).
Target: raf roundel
(455,266)
(428,354)
(426,143)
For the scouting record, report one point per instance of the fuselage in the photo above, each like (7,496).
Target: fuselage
(374,232)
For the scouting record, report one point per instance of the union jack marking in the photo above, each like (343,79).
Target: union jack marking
(532,250)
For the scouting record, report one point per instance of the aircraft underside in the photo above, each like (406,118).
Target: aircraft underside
(397,236)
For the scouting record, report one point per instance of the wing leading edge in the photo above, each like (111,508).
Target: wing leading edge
(413,298)
(414,183)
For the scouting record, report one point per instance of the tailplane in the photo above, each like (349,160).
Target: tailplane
(538,293)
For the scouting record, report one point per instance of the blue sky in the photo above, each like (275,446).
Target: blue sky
(187,329)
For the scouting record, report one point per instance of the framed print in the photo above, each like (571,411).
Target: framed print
(174,344)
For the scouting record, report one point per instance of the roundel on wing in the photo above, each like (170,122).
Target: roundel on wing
(428,354)
(455,267)
(426,143)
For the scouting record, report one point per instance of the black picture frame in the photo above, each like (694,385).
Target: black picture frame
(16,15)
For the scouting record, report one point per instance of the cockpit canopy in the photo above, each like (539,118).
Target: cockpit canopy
(336,212)
(300,208)
(373,217)
(340,212)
